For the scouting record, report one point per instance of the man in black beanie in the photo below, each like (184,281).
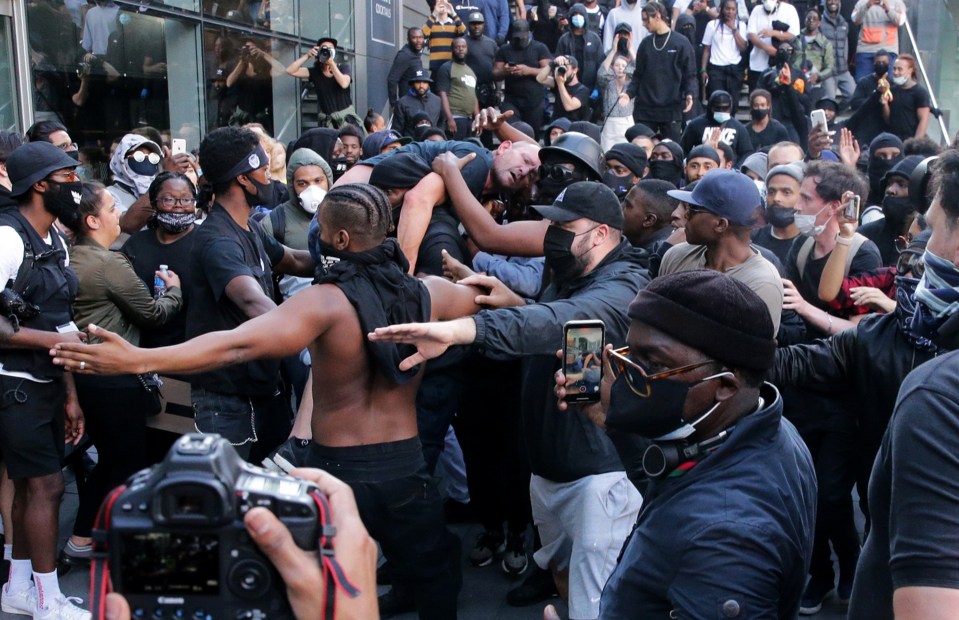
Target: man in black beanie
(731,494)
(626,164)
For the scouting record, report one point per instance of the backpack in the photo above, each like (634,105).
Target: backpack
(806,249)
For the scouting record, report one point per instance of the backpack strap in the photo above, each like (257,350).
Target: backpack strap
(857,242)
(802,257)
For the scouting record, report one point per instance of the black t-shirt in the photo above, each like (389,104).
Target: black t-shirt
(146,254)
(475,173)
(903,119)
(866,259)
(732,133)
(773,133)
(764,238)
(912,541)
(579,91)
(330,96)
(221,252)
(884,237)
(480,54)
(523,89)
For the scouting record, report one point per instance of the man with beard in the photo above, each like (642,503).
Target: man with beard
(716,125)
(39,409)
(351,144)
(626,165)
(456,84)
(583,504)
(406,63)
(518,63)
(420,99)
(782,196)
(232,263)
(898,208)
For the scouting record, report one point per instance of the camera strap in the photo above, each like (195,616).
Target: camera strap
(333,574)
(99,568)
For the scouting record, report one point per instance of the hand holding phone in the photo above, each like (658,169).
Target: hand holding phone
(583,343)
(818,118)
(179,146)
(851,210)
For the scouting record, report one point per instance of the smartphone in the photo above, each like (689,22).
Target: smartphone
(819,119)
(511,64)
(851,211)
(179,146)
(583,343)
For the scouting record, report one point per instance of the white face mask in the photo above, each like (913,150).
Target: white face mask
(311,197)
(899,80)
(807,224)
(770,5)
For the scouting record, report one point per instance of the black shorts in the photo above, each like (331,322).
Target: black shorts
(31,427)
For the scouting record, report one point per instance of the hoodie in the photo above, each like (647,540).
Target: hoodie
(128,185)
(289,222)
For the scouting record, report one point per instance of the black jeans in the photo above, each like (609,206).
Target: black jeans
(728,78)
(834,455)
(436,402)
(115,412)
(667,129)
(402,510)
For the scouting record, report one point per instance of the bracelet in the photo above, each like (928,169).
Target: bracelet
(843,240)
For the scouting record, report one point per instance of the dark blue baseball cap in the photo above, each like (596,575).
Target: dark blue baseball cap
(725,193)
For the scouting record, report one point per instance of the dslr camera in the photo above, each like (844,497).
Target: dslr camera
(325,54)
(176,541)
(561,70)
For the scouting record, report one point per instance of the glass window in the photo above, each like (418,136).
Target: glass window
(9,113)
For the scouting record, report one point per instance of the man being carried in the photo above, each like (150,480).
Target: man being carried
(363,419)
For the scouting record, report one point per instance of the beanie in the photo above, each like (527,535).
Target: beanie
(711,312)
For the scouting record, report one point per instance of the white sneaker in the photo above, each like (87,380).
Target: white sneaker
(61,608)
(21,601)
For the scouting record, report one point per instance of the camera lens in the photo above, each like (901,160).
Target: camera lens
(249,579)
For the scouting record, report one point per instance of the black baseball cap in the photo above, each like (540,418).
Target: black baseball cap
(33,162)
(476,17)
(585,199)
(623,27)
(323,40)
(420,76)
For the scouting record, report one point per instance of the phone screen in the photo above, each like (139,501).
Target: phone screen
(583,344)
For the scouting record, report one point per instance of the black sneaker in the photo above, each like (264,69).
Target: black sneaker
(394,603)
(67,561)
(515,561)
(537,587)
(813,597)
(844,591)
(488,545)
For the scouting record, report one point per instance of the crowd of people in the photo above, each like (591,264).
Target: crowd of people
(385,301)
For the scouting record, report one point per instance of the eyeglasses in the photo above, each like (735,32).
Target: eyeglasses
(902,242)
(636,377)
(67,147)
(140,157)
(910,261)
(169,201)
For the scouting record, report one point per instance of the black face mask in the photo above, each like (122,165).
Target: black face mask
(262,196)
(74,154)
(174,223)
(780,217)
(880,69)
(520,42)
(619,185)
(784,56)
(62,200)
(897,209)
(339,166)
(558,250)
(144,168)
(876,170)
(666,170)
(758,115)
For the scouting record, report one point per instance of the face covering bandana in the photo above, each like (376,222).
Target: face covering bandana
(143,168)
(64,201)
(876,170)
(619,185)
(174,223)
(311,197)
(666,170)
(937,295)
(780,217)
(807,223)
(658,416)
(906,310)
(759,115)
(578,21)
(721,117)
(897,208)
(558,250)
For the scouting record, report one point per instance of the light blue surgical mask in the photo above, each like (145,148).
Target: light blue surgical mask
(722,117)
(578,21)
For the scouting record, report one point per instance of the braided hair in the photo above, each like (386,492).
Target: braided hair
(359,208)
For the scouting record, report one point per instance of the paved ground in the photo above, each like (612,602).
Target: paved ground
(483,596)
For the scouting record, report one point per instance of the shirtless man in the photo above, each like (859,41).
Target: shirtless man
(364,419)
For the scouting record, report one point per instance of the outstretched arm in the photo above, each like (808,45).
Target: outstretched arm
(283,331)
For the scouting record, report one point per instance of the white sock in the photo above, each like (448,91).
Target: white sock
(48,588)
(8,551)
(20,572)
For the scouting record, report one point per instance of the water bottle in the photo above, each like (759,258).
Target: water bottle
(159,286)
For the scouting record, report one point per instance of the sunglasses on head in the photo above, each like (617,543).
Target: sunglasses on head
(140,157)
(637,378)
